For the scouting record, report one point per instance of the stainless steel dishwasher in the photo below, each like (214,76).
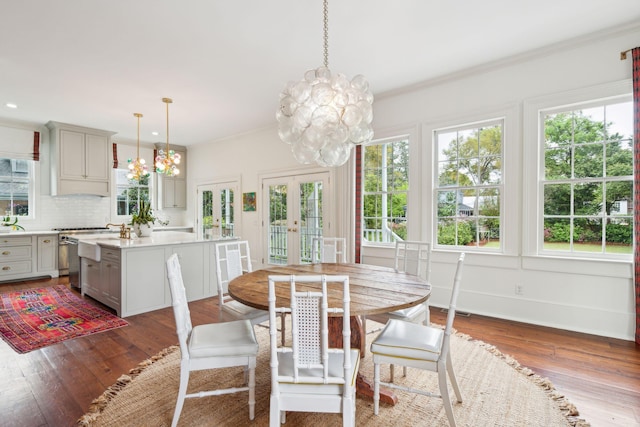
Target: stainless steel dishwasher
(74,262)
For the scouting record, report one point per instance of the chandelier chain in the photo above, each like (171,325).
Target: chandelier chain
(326,32)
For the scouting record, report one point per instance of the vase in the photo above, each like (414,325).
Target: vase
(143,230)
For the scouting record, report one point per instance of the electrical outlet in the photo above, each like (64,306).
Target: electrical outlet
(519,289)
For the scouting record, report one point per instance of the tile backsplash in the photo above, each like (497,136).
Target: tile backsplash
(79,211)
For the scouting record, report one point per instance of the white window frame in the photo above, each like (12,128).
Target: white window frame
(32,170)
(127,218)
(510,205)
(533,168)
(380,141)
(436,188)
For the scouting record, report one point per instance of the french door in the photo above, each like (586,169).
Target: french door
(216,210)
(295,214)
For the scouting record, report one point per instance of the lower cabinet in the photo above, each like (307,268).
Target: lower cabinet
(134,280)
(90,280)
(110,273)
(101,279)
(28,255)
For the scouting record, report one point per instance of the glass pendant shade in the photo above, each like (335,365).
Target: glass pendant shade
(167,160)
(137,168)
(324,115)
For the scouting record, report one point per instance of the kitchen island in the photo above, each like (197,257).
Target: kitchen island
(129,275)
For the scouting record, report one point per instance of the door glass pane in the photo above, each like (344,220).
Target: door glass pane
(207,214)
(226,207)
(278,224)
(311,223)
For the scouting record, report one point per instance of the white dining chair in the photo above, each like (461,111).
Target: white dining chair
(421,347)
(209,346)
(328,249)
(411,257)
(232,260)
(307,375)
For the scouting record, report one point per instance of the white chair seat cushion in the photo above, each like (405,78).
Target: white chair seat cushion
(336,369)
(235,338)
(239,310)
(408,313)
(408,340)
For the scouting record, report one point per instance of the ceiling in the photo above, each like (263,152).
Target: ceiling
(224,63)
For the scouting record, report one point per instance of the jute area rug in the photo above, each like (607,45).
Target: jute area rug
(496,391)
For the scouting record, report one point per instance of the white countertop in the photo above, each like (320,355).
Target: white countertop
(28,233)
(156,239)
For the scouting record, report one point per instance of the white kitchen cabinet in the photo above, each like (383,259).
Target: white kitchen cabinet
(172,190)
(137,269)
(110,277)
(80,160)
(28,255)
(174,193)
(47,253)
(90,280)
(195,270)
(144,280)
(101,280)
(16,256)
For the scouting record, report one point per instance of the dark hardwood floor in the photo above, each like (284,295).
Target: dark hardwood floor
(54,386)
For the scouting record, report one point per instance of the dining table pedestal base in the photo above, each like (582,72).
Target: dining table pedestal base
(364,386)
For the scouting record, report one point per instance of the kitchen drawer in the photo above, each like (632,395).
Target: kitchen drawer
(14,241)
(15,267)
(11,253)
(111,254)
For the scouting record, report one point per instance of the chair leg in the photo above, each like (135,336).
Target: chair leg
(182,392)
(444,392)
(452,378)
(391,372)
(252,390)
(274,412)
(348,414)
(376,387)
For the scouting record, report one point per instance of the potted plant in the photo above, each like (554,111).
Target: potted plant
(9,225)
(143,220)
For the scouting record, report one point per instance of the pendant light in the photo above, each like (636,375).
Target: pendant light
(137,168)
(324,115)
(167,160)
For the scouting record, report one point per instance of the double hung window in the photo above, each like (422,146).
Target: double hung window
(385,175)
(469,185)
(130,192)
(587,182)
(16,176)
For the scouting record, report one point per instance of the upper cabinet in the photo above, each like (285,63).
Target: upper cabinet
(80,160)
(172,190)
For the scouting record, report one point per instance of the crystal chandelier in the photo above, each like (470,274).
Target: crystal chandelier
(324,115)
(137,168)
(167,160)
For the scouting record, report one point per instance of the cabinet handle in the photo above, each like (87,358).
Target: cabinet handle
(6,253)
(6,268)
(47,241)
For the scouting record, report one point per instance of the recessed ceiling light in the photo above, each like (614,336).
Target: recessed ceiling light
(11,105)
(154,133)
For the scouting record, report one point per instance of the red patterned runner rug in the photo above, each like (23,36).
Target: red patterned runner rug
(34,318)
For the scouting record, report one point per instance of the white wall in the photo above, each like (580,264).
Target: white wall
(588,296)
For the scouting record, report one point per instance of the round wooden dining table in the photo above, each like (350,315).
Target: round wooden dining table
(373,290)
